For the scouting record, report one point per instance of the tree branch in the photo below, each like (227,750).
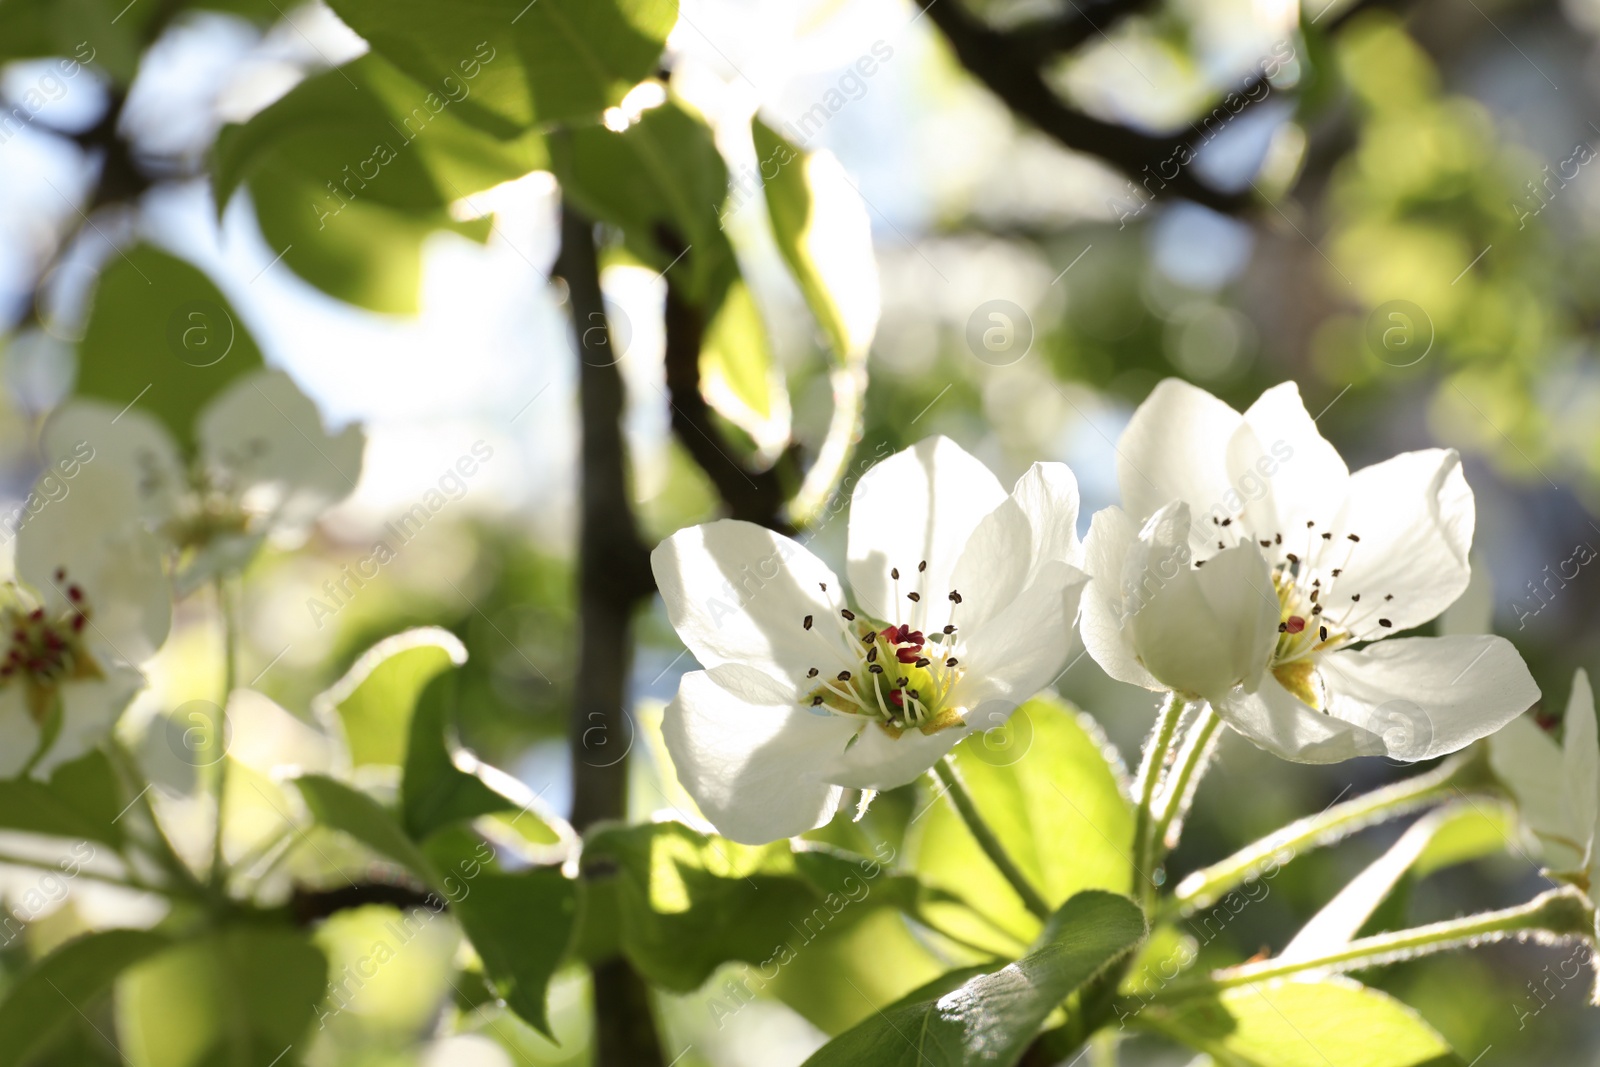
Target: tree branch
(613,578)
(754,496)
(1010,70)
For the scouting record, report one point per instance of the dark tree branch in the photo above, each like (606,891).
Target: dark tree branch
(309,906)
(1046,38)
(1011,73)
(613,578)
(754,496)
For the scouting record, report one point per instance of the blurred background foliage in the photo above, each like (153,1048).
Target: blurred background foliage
(1436,153)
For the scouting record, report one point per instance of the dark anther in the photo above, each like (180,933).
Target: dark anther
(914,597)
(844,676)
(1385,623)
(848,614)
(808,622)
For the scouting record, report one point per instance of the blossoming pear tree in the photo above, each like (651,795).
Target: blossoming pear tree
(862,794)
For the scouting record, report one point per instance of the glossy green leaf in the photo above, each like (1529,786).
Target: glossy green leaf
(1045,783)
(434,791)
(990,1017)
(737,374)
(355,167)
(81,802)
(241,996)
(48,995)
(161,335)
(526,63)
(375,699)
(686,903)
(521,925)
(1304,1024)
(351,811)
(823,232)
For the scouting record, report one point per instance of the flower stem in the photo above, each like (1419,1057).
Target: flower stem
(1155,757)
(987,840)
(1559,914)
(1204,887)
(1192,758)
(230,675)
(54,867)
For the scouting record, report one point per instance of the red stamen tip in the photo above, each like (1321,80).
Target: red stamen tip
(1296,624)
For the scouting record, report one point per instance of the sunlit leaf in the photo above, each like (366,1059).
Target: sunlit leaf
(243,995)
(522,63)
(990,1017)
(1045,784)
(375,699)
(1304,1024)
(521,925)
(81,801)
(824,234)
(162,336)
(47,996)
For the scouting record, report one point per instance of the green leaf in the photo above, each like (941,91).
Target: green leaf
(340,807)
(377,696)
(81,801)
(1457,833)
(1304,1024)
(355,167)
(162,335)
(990,1017)
(824,235)
(434,791)
(686,903)
(737,375)
(523,63)
(241,996)
(81,31)
(1045,784)
(49,994)
(521,924)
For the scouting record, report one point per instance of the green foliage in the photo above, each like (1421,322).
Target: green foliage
(976,1016)
(827,246)
(162,335)
(1304,1024)
(663,183)
(376,698)
(686,903)
(340,807)
(81,801)
(49,995)
(240,996)
(353,168)
(521,925)
(1045,784)
(434,791)
(538,63)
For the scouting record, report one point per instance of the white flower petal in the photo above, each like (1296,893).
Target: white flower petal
(1429,696)
(739,593)
(1283,472)
(19,736)
(1580,760)
(1274,720)
(992,568)
(1414,515)
(878,761)
(1175,448)
(751,758)
(1048,495)
(1026,646)
(90,432)
(922,503)
(264,439)
(1111,536)
(93,534)
(89,708)
(1205,630)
